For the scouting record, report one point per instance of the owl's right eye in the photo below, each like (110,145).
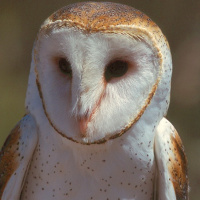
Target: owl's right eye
(65,66)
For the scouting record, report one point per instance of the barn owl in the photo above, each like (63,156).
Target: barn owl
(95,125)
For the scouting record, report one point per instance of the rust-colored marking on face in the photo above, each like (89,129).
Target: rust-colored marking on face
(8,158)
(178,168)
(88,118)
(148,101)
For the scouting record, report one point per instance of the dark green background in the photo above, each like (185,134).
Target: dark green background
(179,21)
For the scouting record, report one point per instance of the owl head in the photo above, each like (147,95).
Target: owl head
(97,69)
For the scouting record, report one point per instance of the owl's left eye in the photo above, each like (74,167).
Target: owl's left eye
(116,69)
(65,66)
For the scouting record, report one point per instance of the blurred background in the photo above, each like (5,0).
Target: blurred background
(180,22)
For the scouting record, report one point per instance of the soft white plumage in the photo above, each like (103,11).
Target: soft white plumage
(98,90)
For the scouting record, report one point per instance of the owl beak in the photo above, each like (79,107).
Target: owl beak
(83,123)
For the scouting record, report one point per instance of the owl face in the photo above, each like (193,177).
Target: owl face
(94,84)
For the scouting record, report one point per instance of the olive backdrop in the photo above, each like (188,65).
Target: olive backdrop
(179,21)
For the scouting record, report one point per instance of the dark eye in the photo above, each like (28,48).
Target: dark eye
(116,69)
(65,66)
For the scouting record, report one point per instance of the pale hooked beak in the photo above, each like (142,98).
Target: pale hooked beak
(83,125)
(85,120)
(88,117)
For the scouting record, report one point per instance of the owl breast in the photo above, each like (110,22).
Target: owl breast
(114,170)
